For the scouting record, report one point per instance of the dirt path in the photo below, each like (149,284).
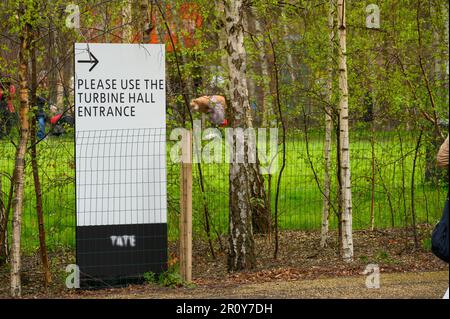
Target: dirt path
(392,285)
(302,270)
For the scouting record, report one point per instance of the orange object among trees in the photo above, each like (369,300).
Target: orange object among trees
(182,19)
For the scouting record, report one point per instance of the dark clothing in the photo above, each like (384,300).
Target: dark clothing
(41,127)
(41,116)
(6,117)
(3,104)
(439,237)
(61,124)
(41,106)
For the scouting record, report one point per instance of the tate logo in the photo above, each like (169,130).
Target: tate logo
(123,241)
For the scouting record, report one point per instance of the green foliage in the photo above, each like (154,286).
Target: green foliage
(426,244)
(364,259)
(384,63)
(150,277)
(383,256)
(300,200)
(170,278)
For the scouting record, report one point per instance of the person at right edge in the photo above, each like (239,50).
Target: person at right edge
(442,161)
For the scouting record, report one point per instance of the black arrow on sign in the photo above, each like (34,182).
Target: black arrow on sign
(93,60)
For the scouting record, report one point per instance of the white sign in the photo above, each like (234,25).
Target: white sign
(120,117)
(119,86)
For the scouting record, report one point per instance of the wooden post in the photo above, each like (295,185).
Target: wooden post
(186,207)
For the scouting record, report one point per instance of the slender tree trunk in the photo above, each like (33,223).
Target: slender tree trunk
(346,198)
(241,253)
(4,222)
(283,128)
(68,92)
(261,216)
(372,201)
(127,30)
(37,182)
(289,59)
(3,216)
(328,130)
(369,106)
(222,37)
(19,168)
(254,89)
(446,53)
(413,209)
(59,92)
(425,76)
(106,26)
(265,105)
(403,194)
(51,63)
(339,184)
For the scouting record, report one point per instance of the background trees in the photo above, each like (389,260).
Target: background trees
(315,61)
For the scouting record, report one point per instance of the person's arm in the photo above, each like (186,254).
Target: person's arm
(442,156)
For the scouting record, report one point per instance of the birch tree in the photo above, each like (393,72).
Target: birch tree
(328,129)
(344,147)
(35,166)
(127,20)
(19,168)
(241,253)
(261,219)
(260,205)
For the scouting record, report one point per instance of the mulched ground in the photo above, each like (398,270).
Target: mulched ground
(422,285)
(300,260)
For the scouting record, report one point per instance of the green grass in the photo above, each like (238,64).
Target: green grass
(300,201)
(57,180)
(426,244)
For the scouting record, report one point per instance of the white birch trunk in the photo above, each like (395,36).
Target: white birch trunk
(346,198)
(59,92)
(222,37)
(127,30)
(328,130)
(19,168)
(241,243)
(290,60)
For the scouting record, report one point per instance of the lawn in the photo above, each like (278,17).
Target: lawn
(300,199)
